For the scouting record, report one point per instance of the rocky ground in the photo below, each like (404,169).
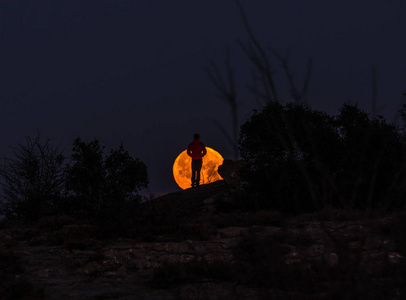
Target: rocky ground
(193,251)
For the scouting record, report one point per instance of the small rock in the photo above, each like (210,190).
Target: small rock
(232,232)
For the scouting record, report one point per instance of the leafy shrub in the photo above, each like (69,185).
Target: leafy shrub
(303,160)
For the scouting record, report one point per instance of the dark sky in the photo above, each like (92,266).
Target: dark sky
(133,71)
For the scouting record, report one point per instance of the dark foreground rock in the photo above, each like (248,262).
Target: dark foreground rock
(262,255)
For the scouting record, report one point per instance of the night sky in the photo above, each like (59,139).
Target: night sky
(134,71)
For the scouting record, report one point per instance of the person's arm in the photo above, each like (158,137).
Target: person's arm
(189,151)
(204,151)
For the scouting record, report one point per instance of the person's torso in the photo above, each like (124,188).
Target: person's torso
(196,148)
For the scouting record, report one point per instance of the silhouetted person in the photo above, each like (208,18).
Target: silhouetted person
(196,150)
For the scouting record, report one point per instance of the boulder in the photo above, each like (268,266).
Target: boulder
(229,171)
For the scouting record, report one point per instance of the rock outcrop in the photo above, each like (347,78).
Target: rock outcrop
(233,256)
(229,171)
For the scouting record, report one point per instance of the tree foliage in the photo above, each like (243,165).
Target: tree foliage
(96,182)
(302,159)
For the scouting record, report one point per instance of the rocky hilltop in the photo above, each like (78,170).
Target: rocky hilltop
(188,246)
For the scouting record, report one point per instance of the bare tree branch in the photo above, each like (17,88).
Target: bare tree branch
(228,93)
(224,131)
(297,95)
(257,55)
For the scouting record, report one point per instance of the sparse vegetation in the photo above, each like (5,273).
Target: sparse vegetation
(36,183)
(32,180)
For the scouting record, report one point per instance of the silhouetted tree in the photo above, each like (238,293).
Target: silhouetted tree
(372,160)
(32,181)
(302,159)
(125,176)
(284,147)
(96,183)
(85,177)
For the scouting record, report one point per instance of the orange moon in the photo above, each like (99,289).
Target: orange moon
(182,168)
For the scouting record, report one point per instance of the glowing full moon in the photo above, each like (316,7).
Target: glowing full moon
(182,168)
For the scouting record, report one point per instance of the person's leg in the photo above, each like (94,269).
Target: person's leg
(198,167)
(193,172)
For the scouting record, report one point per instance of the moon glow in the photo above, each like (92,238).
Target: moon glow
(182,168)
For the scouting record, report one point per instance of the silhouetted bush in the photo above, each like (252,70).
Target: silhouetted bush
(32,181)
(303,160)
(104,186)
(36,183)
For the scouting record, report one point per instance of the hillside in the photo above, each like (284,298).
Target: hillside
(185,248)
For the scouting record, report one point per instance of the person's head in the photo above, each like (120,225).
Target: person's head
(196,136)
